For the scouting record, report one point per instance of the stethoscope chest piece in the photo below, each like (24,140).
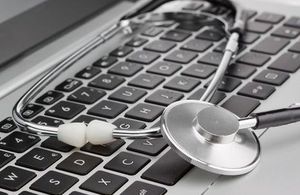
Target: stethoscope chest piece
(207,136)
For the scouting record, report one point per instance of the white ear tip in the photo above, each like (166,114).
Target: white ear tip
(100,132)
(72,134)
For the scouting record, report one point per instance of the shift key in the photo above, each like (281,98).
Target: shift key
(168,169)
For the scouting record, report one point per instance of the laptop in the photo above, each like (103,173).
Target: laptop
(181,60)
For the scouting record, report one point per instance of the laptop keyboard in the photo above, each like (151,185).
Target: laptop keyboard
(130,88)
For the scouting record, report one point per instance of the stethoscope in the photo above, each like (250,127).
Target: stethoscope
(206,135)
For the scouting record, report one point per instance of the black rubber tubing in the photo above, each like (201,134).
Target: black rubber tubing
(278,117)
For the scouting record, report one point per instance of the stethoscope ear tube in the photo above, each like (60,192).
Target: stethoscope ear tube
(277,117)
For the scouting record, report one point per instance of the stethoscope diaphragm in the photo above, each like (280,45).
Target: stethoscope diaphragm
(235,157)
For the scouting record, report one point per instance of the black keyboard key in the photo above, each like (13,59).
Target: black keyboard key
(221,47)
(38,159)
(18,142)
(217,97)
(269,18)
(213,58)
(69,85)
(164,97)
(248,105)
(31,110)
(54,183)
(228,84)
(77,193)
(250,13)
(164,68)
(43,120)
(87,95)
(104,183)
(286,32)
(175,35)
(54,144)
(295,47)
(271,45)
(257,90)
(144,188)
(124,123)
(144,112)
(211,35)
(121,51)
(189,25)
(125,69)
(249,38)
(288,62)
(197,45)
(13,178)
(79,163)
(88,72)
(7,125)
(104,150)
(272,77)
(106,81)
(5,157)
(181,56)
(146,81)
(199,71)
(185,84)
(49,97)
(216,10)
(143,57)
(240,70)
(127,163)
(258,27)
(86,119)
(152,32)
(137,42)
(65,110)
(127,94)
(27,193)
(293,22)
(107,109)
(151,147)
(105,61)
(254,58)
(168,169)
(160,46)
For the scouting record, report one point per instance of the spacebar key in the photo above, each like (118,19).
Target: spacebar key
(168,169)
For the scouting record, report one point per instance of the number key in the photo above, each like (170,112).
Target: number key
(86,95)
(18,141)
(88,73)
(65,110)
(69,85)
(107,81)
(49,97)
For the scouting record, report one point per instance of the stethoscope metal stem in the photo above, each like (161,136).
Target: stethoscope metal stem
(230,50)
(137,133)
